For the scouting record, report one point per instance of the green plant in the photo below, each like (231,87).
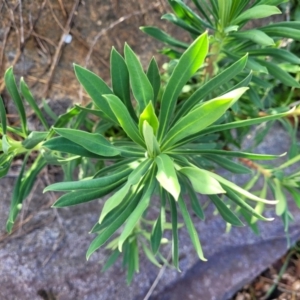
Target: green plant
(162,151)
(230,40)
(152,145)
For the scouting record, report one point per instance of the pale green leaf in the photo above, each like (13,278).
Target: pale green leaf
(256,12)
(190,61)
(166,175)
(201,117)
(201,181)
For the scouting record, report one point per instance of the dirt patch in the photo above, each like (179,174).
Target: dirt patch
(43,38)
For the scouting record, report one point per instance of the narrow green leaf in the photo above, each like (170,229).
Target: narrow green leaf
(83,196)
(64,119)
(188,16)
(140,84)
(110,218)
(89,184)
(29,98)
(224,12)
(166,175)
(244,123)
(190,61)
(191,229)
(201,117)
(175,256)
(15,205)
(30,176)
(93,142)
(281,206)
(151,143)
(180,23)
(272,2)
(12,89)
(124,119)
(212,85)
(5,144)
(280,74)
(254,35)
(112,228)
(163,37)
(34,138)
(111,260)
(282,54)
(195,202)
(282,30)
(138,212)
(135,176)
(201,181)
(229,164)
(3,116)
(295,194)
(156,234)
(148,115)
(150,256)
(159,224)
(114,201)
(153,75)
(230,193)
(225,212)
(256,12)
(238,189)
(64,145)
(120,80)
(96,88)
(5,162)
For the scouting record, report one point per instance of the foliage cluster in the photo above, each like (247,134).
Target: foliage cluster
(155,138)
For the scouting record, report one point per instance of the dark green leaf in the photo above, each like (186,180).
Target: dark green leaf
(175,247)
(96,88)
(212,85)
(225,212)
(163,37)
(111,260)
(62,144)
(154,78)
(124,119)
(138,212)
(82,196)
(5,162)
(11,86)
(228,164)
(112,228)
(93,142)
(15,205)
(3,116)
(280,74)
(120,80)
(29,98)
(191,229)
(243,204)
(89,184)
(140,84)
(34,138)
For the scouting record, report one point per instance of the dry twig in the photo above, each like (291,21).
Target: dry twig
(66,30)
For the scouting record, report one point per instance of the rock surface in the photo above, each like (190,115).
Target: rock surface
(49,260)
